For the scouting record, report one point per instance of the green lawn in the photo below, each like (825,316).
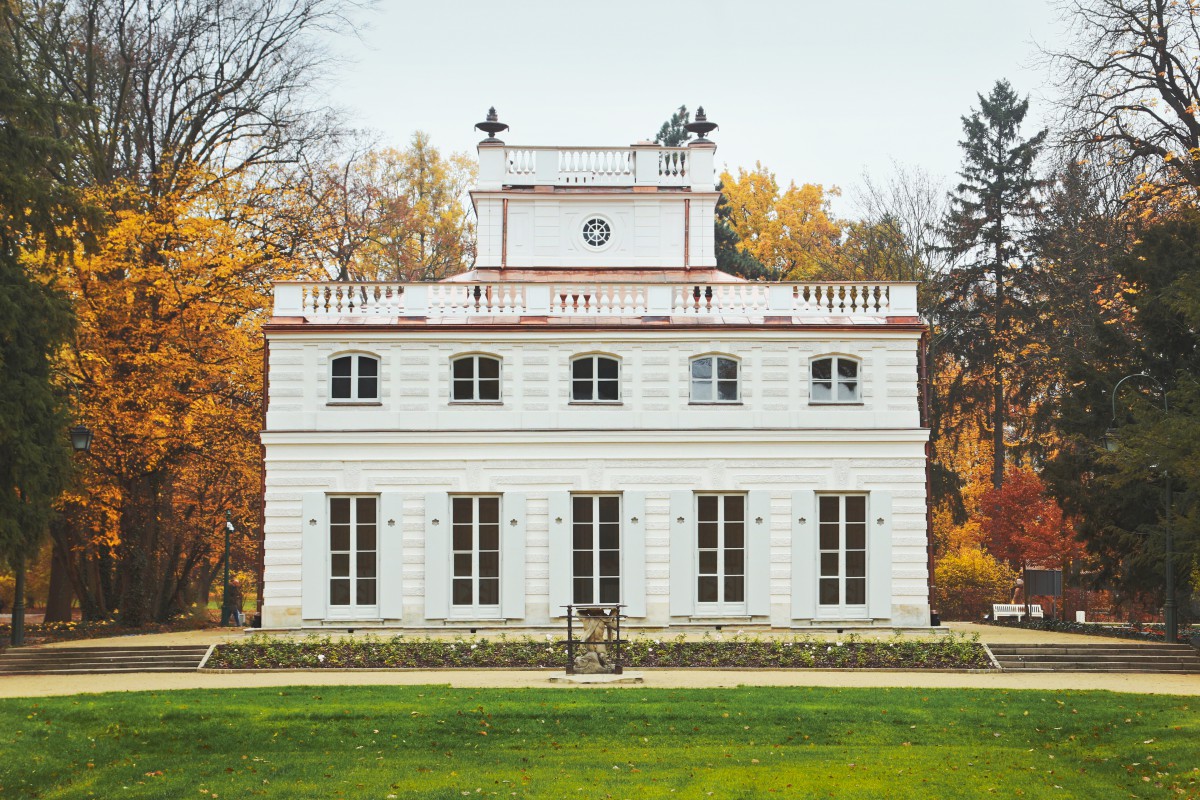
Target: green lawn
(437,742)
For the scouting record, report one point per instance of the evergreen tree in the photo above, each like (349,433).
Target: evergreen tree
(673,133)
(983,301)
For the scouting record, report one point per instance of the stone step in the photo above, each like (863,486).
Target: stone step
(1080,648)
(85,660)
(1153,659)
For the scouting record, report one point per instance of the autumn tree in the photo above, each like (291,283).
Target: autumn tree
(1024,526)
(979,320)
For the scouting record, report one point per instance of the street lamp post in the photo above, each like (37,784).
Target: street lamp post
(227,609)
(1170,622)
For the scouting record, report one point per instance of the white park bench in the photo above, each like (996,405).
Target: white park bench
(1016,610)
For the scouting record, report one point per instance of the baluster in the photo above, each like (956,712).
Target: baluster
(639,300)
(677,301)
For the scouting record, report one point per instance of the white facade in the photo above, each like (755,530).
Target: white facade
(585,420)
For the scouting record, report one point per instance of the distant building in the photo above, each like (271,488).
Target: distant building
(595,414)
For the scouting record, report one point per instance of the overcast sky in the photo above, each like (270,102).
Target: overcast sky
(819,92)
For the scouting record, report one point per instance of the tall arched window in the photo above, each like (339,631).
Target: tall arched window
(835,379)
(595,379)
(475,379)
(715,379)
(354,377)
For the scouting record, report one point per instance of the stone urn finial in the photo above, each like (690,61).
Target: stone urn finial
(491,126)
(700,125)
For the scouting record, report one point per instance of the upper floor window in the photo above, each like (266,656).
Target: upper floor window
(835,380)
(354,377)
(595,379)
(475,379)
(715,380)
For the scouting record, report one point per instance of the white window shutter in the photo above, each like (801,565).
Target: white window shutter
(683,537)
(314,555)
(633,553)
(758,553)
(437,555)
(804,554)
(512,556)
(560,552)
(391,557)
(879,555)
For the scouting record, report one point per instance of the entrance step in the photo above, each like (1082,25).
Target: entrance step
(1154,658)
(87,660)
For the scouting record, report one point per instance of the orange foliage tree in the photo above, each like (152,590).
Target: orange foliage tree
(1023,525)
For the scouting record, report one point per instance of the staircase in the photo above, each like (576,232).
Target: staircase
(87,660)
(1159,658)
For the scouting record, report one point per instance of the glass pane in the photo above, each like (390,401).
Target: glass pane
(856,591)
(610,590)
(829,564)
(822,369)
(368,388)
(727,390)
(340,389)
(734,508)
(367,367)
(847,368)
(489,537)
(582,539)
(339,565)
(706,534)
(708,562)
(607,368)
(339,511)
(366,565)
(856,564)
(735,589)
(489,389)
(822,391)
(583,590)
(339,537)
(856,536)
(830,508)
(702,391)
(489,591)
(581,390)
(610,509)
(735,562)
(462,537)
(489,565)
(829,591)
(462,565)
(365,590)
(610,563)
(701,369)
(463,509)
(365,510)
(608,390)
(706,505)
(735,534)
(339,592)
(583,563)
(610,536)
(464,390)
(829,537)
(848,391)
(341,367)
(706,589)
(462,592)
(489,510)
(727,369)
(581,368)
(489,368)
(581,508)
(464,368)
(856,509)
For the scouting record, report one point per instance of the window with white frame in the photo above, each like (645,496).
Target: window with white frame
(353,553)
(595,379)
(721,553)
(475,556)
(596,548)
(835,380)
(842,583)
(475,379)
(354,377)
(715,380)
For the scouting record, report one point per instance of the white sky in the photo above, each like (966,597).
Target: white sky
(819,92)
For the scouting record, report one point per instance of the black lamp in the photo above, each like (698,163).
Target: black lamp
(81,438)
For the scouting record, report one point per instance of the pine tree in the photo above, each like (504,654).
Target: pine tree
(982,301)
(673,133)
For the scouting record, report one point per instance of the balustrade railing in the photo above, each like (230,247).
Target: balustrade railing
(734,301)
(593,166)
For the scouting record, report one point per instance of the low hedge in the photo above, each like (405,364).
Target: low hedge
(1147,632)
(526,652)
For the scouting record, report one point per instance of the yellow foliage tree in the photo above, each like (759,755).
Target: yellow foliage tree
(969,580)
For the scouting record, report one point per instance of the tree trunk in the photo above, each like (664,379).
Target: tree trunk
(62,594)
(998,377)
(18,610)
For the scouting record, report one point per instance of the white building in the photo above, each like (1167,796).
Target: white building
(595,414)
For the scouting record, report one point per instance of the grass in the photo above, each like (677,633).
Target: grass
(438,742)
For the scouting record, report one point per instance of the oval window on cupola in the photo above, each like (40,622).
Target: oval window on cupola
(596,232)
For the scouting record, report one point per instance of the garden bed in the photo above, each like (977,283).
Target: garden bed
(400,652)
(1141,631)
(46,632)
